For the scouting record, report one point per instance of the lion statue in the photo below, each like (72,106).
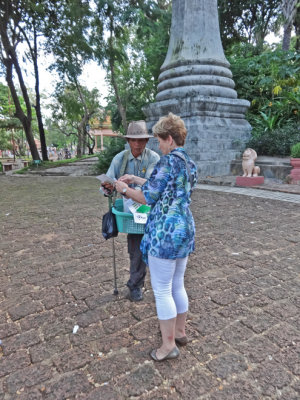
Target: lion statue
(249,156)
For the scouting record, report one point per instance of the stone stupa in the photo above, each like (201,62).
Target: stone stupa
(196,83)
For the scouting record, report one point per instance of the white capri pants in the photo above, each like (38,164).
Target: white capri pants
(167,280)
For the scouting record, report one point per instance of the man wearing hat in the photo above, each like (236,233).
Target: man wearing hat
(138,161)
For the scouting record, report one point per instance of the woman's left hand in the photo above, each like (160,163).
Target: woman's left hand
(127,178)
(120,186)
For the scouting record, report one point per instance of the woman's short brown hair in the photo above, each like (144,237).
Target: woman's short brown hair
(171,125)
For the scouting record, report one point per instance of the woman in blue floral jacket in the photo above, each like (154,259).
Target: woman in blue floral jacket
(170,230)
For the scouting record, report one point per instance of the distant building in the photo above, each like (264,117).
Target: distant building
(101,129)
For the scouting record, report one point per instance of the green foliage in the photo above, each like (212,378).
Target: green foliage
(67,113)
(153,33)
(135,85)
(277,142)
(268,77)
(66,31)
(248,21)
(72,102)
(113,147)
(11,128)
(55,136)
(271,82)
(295,150)
(7,109)
(10,123)
(133,53)
(5,140)
(130,39)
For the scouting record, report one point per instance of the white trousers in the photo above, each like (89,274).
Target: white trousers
(167,280)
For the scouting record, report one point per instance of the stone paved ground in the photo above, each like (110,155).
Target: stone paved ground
(56,272)
(292,197)
(274,185)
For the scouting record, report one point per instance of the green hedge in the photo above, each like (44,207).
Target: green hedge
(113,147)
(277,142)
(295,150)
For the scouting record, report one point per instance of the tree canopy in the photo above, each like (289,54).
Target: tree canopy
(129,38)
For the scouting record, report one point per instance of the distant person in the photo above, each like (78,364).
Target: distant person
(138,161)
(169,233)
(67,153)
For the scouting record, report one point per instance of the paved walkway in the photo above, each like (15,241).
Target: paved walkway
(273,195)
(56,273)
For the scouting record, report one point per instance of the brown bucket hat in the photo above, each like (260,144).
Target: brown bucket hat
(137,130)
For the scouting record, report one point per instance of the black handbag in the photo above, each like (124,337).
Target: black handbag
(109,225)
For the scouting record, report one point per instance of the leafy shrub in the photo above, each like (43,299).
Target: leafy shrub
(271,77)
(113,147)
(277,142)
(295,150)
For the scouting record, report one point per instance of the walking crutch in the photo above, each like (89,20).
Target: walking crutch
(116,292)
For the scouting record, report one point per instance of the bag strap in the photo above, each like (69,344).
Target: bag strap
(124,162)
(180,155)
(112,198)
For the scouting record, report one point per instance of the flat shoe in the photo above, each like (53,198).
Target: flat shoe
(173,354)
(181,341)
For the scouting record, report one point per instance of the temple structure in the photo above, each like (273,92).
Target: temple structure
(102,129)
(196,83)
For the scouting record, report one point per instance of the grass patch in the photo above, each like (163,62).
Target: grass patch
(22,171)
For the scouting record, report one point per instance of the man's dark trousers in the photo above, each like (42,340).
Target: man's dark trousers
(137,265)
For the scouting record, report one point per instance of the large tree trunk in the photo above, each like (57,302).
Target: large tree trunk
(82,133)
(25,119)
(38,102)
(92,146)
(79,143)
(20,144)
(297,28)
(10,60)
(121,108)
(41,129)
(287,33)
(289,9)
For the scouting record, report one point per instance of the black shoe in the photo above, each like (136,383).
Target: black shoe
(173,354)
(136,294)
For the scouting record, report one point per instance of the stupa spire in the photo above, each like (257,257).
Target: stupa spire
(196,83)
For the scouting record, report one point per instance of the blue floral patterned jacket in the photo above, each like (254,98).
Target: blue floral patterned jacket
(170,229)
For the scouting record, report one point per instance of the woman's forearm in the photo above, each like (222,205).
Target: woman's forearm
(136,195)
(138,180)
(123,188)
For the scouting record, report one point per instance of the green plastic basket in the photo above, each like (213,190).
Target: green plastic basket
(125,222)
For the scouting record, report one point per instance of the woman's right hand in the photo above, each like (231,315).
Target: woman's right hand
(127,178)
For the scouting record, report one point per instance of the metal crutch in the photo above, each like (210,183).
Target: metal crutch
(116,292)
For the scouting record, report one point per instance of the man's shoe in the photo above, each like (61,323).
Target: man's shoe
(136,294)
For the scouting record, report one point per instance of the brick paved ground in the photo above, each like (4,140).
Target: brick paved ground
(56,272)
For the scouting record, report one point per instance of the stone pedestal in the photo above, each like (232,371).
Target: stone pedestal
(249,181)
(295,172)
(196,83)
